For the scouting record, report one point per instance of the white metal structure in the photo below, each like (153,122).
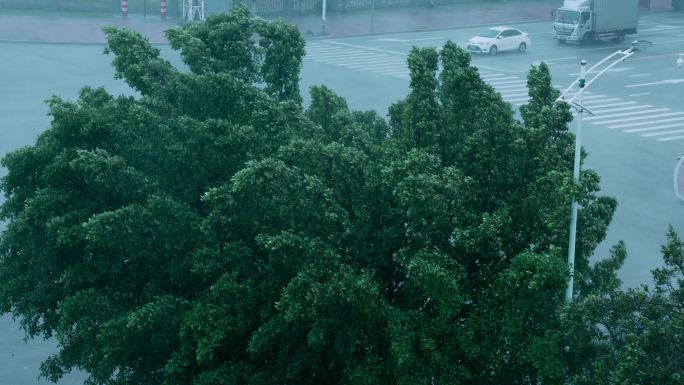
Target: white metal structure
(193,10)
(576,102)
(678,178)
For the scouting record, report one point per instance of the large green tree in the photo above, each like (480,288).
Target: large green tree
(632,336)
(212,231)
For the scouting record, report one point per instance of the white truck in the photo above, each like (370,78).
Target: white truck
(584,21)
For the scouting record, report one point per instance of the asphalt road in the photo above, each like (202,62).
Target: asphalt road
(632,141)
(628,142)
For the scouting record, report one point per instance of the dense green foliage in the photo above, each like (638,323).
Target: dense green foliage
(212,231)
(632,337)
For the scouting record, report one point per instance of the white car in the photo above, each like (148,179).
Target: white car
(498,39)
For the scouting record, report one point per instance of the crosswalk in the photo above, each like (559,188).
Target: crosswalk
(629,116)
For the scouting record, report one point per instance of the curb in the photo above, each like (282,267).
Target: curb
(318,37)
(87,43)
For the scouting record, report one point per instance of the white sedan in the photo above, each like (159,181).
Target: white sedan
(498,39)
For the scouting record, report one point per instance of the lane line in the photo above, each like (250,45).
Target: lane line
(638,75)
(642,123)
(366,60)
(623,109)
(556,59)
(396,40)
(655,127)
(497,78)
(641,94)
(671,138)
(511,89)
(508,82)
(662,133)
(603,104)
(592,118)
(336,55)
(366,48)
(374,66)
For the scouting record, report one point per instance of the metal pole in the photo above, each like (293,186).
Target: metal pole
(575,174)
(372,28)
(323,17)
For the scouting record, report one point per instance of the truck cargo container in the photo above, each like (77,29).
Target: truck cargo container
(584,21)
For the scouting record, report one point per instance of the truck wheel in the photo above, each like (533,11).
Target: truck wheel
(493,50)
(587,38)
(522,47)
(561,41)
(619,37)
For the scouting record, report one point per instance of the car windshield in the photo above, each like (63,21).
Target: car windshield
(569,17)
(491,33)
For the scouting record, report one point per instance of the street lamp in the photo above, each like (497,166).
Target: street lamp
(323,14)
(616,57)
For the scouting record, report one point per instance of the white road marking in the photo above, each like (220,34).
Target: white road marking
(360,60)
(366,48)
(344,55)
(603,104)
(399,72)
(671,138)
(668,81)
(497,83)
(623,109)
(603,117)
(655,127)
(638,75)
(409,40)
(372,67)
(511,89)
(495,69)
(642,123)
(641,94)
(497,78)
(327,51)
(662,133)
(592,96)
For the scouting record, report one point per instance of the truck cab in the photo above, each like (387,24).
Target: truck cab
(572,24)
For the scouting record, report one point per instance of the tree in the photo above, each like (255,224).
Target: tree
(633,336)
(211,231)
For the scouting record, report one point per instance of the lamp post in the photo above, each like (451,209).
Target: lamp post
(323,10)
(604,65)
(575,176)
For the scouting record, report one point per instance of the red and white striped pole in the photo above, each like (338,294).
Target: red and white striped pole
(163,9)
(124,8)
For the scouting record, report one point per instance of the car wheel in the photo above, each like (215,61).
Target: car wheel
(493,50)
(522,47)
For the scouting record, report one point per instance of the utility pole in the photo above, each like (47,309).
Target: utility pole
(616,57)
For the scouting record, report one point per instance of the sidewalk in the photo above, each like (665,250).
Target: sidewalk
(84,30)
